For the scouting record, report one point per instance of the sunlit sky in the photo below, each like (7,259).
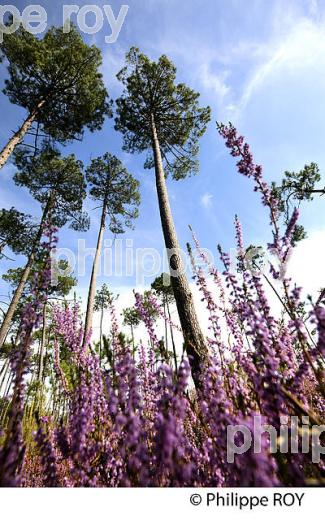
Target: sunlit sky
(258,63)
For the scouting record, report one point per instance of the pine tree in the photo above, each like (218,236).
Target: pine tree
(57,80)
(295,188)
(17,231)
(65,282)
(117,191)
(164,290)
(131,319)
(103,298)
(157,115)
(58,184)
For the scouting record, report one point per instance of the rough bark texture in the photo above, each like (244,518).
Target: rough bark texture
(19,290)
(92,285)
(195,343)
(18,136)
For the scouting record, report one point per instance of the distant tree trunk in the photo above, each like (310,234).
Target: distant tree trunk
(19,290)
(9,383)
(101,336)
(2,246)
(19,135)
(133,345)
(172,335)
(4,371)
(195,343)
(165,320)
(42,349)
(163,352)
(92,284)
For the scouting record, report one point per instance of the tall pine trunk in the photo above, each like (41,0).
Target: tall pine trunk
(195,343)
(19,135)
(92,285)
(19,290)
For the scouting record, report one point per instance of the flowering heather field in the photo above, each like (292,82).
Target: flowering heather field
(129,417)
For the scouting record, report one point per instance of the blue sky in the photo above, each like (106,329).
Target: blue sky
(258,63)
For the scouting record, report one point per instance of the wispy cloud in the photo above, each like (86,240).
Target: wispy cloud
(303,48)
(232,71)
(215,82)
(113,62)
(313,7)
(206,200)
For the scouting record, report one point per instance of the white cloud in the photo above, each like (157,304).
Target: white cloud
(206,200)
(305,269)
(306,266)
(294,42)
(215,82)
(303,48)
(113,62)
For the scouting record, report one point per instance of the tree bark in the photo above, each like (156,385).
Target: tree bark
(4,371)
(2,246)
(92,285)
(195,343)
(19,290)
(19,135)
(172,335)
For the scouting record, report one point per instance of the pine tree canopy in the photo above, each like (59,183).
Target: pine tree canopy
(17,231)
(61,72)
(150,92)
(131,317)
(49,174)
(117,190)
(163,287)
(61,289)
(104,297)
